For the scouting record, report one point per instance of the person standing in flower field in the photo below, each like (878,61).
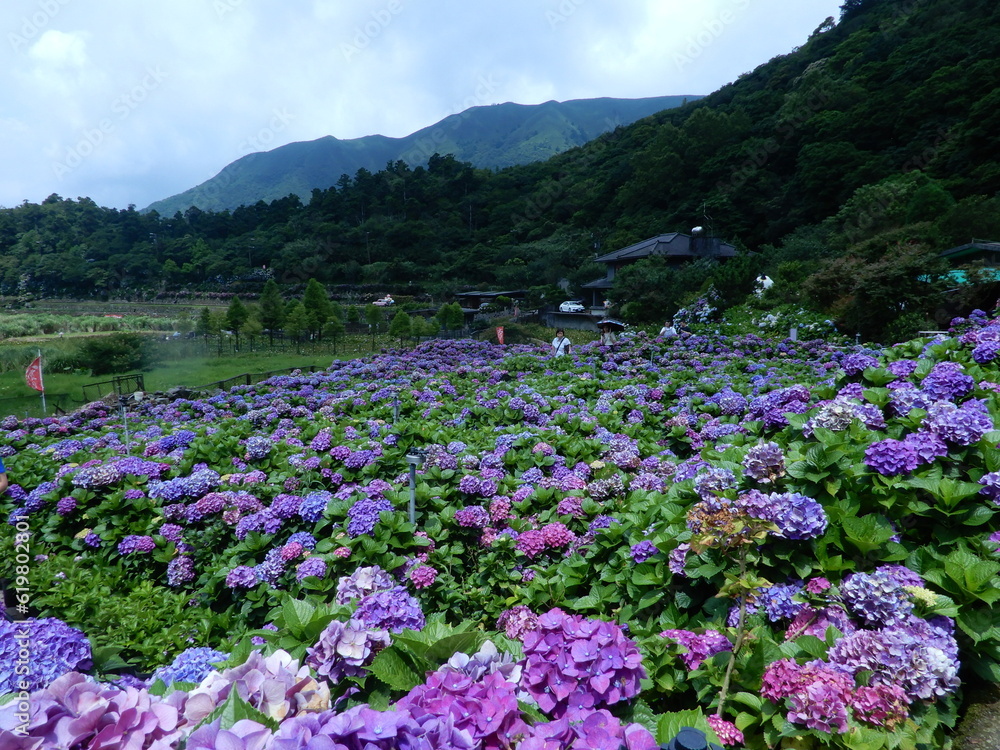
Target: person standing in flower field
(560,344)
(3,477)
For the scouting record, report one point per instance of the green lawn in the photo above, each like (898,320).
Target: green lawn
(187,363)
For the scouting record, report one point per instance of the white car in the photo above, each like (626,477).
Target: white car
(570,306)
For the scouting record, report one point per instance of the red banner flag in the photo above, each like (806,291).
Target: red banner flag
(499,334)
(33,376)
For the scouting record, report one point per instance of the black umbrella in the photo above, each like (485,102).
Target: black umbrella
(614,325)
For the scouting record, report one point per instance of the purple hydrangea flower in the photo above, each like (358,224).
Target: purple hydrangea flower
(573,664)
(180,570)
(364,515)
(643,551)
(765,462)
(241,577)
(53,648)
(891,457)
(192,665)
(343,649)
(136,543)
(699,646)
(394,610)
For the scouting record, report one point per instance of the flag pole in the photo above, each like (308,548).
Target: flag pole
(45,411)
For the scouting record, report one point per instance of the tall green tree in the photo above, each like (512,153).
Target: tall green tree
(334,330)
(375,318)
(317,306)
(296,323)
(451,316)
(236,317)
(203,326)
(272,309)
(400,326)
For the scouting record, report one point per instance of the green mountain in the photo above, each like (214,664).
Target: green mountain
(846,166)
(495,136)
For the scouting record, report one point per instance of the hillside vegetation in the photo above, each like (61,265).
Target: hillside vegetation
(845,165)
(495,136)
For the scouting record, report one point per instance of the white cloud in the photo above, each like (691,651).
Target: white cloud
(59,49)
(162,96)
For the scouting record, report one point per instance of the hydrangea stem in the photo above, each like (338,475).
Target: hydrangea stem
(740,636)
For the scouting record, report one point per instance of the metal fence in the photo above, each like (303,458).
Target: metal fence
(121,386)
(248,378)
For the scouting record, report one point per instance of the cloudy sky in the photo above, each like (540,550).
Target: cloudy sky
(130,102)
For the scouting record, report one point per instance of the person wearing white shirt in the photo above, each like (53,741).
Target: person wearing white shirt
(560,344)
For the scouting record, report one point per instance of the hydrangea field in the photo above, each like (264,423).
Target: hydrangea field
(781,543)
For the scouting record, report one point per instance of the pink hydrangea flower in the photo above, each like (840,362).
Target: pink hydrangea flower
(726,731)
(423,576)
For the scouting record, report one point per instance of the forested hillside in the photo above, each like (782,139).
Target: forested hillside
(845,165)
(495,136)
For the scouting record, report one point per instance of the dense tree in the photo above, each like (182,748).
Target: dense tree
(400,326)
(451,317)
(882,122)
(272,309)
(317,306)
(296,323)
(334,330)
(204,325)
(375,318)
(236,317)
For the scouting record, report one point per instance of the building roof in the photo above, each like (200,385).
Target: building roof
(971,248)
(675,245)
(601,283)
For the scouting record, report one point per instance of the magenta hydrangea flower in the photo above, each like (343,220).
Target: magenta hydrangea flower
(531,543)
(517,621)
(556,535)
(818,695)
(423,576)
(726,731)
(700,646)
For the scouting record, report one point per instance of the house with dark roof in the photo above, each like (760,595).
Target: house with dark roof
(676,248)
(982,252)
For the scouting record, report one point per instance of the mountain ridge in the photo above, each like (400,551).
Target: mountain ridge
(489,136)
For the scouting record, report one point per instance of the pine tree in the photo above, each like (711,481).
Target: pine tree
(204,325)
(236,317)
(400,326)
(317,306)
(272,309)
(296,322)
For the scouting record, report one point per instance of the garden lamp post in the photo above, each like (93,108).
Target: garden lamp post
(415,458)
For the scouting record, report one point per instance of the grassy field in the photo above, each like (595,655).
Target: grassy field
(182,363)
